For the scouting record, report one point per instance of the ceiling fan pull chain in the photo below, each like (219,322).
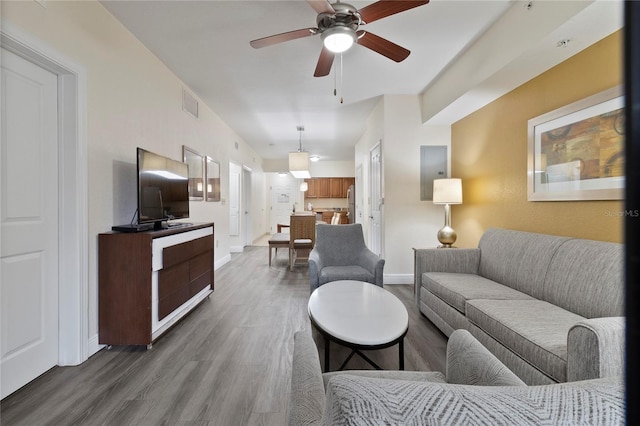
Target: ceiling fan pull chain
(341,80)
(335,83)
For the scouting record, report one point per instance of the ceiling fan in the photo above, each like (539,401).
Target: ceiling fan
(339,27)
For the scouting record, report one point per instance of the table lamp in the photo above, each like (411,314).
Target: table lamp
(447,192)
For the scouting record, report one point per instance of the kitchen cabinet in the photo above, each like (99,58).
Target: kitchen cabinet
(346,183)
(335,187)
(326,216)
(324,189)
(312,191)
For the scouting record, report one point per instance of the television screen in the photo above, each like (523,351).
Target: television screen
(163,188)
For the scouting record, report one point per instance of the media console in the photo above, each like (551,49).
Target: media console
(149,280)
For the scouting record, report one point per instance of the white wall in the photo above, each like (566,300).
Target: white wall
(133,100)
(407,222)
(332,169)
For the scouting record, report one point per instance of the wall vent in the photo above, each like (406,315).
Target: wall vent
(189,103)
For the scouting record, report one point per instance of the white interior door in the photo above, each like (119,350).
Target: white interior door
(375,195)
(29,222)
(359,195)
(234,199)
(282,198)
(247,229)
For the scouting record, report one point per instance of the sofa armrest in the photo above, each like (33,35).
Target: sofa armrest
(470,363)
(462,260)
(372,263)
(307,388)
(595,348)
(315,266)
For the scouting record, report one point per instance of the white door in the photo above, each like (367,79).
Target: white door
(375,195)
(247,229)
(234,199)
(282,199)
(359,197)
(29,222)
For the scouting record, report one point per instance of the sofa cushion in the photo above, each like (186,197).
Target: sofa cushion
(517,259)
(456,289)
(413,376)
(535,330)
(355,400)
(352,272)
(586,277)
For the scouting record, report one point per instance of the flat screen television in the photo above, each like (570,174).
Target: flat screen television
(163,189)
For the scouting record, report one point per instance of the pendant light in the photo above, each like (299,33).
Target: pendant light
(299,161)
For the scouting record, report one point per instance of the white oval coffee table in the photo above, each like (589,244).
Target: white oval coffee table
(359,315)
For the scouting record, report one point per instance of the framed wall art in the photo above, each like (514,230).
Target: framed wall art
(212,177)
(195,162)
(577,152)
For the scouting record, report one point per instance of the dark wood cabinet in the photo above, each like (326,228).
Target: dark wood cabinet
(312,191)
(148,281)
(324,189)
(335,187)
(346,183)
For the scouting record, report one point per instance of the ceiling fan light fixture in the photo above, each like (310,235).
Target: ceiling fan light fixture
(338,39)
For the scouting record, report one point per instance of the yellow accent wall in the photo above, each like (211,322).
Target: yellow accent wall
(489,153)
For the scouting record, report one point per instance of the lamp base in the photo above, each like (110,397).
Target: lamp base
(447,236)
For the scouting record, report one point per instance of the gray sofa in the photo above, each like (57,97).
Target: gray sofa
(341,254)
(477,389)
(549,307)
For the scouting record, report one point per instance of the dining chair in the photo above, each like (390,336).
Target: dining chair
(302,237)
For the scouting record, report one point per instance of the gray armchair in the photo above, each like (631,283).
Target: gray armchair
(340,254)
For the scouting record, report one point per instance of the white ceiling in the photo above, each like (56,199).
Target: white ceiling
(264,94)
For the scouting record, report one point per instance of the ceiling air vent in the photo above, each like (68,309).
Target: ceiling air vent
(189,103)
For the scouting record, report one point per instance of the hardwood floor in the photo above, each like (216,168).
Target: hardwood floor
(227,363)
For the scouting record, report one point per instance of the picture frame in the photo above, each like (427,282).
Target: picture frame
(195,161)
(212,177)
(577,152)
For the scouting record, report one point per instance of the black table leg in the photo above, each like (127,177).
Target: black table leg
(326,353)
(401,353)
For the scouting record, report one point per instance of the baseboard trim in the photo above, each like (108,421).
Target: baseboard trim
(94,346)
(221,262)
(398,278)
(236,249)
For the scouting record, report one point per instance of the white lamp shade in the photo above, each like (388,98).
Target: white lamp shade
(299,165)
(447,191)
(304,186)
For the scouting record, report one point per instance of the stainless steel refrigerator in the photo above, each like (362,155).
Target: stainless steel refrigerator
(351,209)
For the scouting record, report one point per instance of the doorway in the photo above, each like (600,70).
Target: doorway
(247,193)
(376,198)
(70,224)
(235,176)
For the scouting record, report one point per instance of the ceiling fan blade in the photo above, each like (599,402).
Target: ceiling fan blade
(324,63)
(321,6)
(279,38)
(384,8)
(382,46)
